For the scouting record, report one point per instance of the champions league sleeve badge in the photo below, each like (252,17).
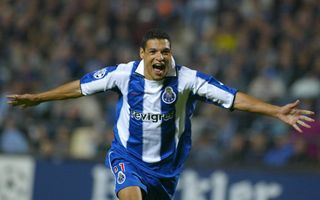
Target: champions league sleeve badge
(168,96)
(100,73)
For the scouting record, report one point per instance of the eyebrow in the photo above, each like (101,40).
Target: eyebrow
(155,49)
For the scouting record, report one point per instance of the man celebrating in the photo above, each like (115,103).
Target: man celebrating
(156,101)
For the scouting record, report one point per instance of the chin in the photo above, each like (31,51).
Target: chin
(158,78)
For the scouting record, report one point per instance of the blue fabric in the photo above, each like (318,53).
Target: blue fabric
(168,126)
(156,133)
(128,174)
(136,86)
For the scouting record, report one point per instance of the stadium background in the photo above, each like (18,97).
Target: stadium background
(267,48)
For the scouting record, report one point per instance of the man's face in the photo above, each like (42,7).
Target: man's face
(157,58)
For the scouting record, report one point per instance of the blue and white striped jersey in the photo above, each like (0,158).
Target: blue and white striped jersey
(152,127)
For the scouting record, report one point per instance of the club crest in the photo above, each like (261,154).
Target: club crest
(168,95)
(100,74)
(121,177)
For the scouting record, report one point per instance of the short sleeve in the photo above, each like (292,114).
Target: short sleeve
(98,81)
(206,88)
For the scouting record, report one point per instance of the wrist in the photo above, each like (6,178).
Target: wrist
(37,98)
(277,112)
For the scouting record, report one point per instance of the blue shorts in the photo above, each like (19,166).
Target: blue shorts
(126,174)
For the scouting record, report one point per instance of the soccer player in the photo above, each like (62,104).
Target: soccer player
(156,101)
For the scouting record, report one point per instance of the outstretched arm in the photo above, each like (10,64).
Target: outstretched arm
(66,91)
(289,113)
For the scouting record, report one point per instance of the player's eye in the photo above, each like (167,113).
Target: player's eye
(166,52)
(152,52)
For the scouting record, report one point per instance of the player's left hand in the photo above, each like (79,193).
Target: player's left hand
(294,116)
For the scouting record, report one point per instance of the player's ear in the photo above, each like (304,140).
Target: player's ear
(141,53)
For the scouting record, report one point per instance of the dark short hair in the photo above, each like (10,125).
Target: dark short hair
(154,34)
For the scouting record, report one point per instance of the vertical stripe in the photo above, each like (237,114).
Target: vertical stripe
(184,110)
(184,145)
(180,117)
(121,128)
(152,127)
(184,93)
(135,101)
(169,97)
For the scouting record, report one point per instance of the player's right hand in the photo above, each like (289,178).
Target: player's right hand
(23,101)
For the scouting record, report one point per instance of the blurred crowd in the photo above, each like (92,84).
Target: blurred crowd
(267,48)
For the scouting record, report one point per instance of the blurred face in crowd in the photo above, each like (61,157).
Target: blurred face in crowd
(157,58)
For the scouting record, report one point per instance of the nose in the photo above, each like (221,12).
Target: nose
(159,56)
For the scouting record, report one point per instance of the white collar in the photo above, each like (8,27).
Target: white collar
(171,72)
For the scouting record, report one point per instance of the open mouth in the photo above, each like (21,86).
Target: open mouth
(159,67)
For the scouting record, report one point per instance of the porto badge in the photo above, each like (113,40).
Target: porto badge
(121,177)
(168,95)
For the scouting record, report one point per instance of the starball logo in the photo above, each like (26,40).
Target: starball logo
(150,117)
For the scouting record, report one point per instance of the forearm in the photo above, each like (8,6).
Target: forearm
(66,91)
(248,103)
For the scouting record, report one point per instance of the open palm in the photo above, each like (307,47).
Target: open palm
(295,117)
